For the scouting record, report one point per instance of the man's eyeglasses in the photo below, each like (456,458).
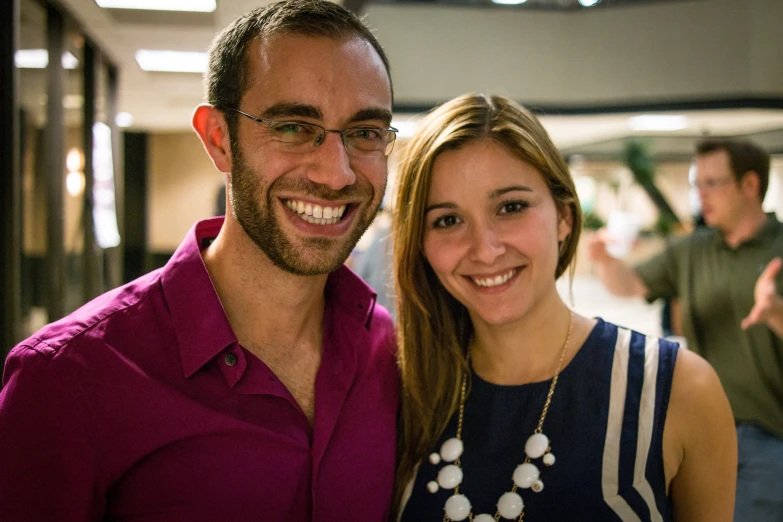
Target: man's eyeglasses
(307,137)
(711,184)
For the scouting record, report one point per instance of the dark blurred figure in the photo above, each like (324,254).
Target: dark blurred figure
(727,277)
(220,201)
(671,320)
(374,263)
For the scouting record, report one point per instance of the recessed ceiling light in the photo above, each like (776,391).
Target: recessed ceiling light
(509,2)
(39,59)
(172,61)
(123,119)
(658,122)
(588,3)
(198,6)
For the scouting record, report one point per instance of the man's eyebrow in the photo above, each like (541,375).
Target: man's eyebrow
(494,194)
(444,205)
(383,115)
(288,110)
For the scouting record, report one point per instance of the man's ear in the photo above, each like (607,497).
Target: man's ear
(565,222)
(750,184)
(210,125)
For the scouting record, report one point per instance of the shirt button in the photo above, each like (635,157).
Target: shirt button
(231,359)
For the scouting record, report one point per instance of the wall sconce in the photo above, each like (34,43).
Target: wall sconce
(74,180)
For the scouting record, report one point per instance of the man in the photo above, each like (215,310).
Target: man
(253,377)
(727,278)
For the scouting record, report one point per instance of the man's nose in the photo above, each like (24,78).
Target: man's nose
(332,166)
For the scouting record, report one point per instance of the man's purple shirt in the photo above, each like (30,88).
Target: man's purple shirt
(143,406)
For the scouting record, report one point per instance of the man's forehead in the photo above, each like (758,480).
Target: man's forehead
(293,68)
(288,53)
(717,160)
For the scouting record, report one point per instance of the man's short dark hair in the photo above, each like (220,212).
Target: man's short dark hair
(227,78)
(744,156)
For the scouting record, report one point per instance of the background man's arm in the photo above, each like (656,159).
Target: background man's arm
(768,302)
(619,278)
(701,426)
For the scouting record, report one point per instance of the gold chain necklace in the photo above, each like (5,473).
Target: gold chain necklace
(510,505)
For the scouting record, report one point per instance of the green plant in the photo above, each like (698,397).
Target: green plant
(665,225)
(592,221)
(638,159)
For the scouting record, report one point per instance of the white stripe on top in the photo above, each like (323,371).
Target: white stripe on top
(610,476)
(646,419)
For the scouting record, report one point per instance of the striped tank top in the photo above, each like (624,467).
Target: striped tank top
(605,425)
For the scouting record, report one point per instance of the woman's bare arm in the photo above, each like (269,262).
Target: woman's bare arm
(700,444)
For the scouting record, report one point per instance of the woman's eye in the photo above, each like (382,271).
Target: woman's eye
(513,207)
(445,222)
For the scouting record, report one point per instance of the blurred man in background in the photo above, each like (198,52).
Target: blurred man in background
(253,377)
(727,278)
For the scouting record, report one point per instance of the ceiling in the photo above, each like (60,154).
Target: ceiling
(165,101)
(531,4)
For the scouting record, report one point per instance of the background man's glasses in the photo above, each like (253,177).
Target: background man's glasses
(307,137)
(711,184)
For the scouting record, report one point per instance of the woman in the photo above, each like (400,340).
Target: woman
(513,406)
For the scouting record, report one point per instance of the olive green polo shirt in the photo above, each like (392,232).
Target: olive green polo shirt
(715,286)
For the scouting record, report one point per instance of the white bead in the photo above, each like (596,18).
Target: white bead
(451,450)
(432,486)
(510,505)
(549,459)
(458,507)
(536,445)
(538,486)
(484,518)
(525,475)
(434,459)
(450,477)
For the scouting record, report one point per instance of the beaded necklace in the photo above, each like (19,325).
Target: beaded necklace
(526,476)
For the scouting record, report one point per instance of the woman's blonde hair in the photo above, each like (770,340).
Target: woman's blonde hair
(434,328)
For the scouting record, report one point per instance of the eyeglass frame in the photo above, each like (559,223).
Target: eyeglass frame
(713,184)
(324,129)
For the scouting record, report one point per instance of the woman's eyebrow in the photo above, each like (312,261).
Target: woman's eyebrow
(494,194)
(437,206)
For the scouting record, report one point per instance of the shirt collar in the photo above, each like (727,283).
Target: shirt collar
(766,234)
(200,323)
(351,294)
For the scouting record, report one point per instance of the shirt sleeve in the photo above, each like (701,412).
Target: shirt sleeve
(47,461)
(660,273)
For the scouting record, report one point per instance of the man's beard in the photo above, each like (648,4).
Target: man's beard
(313,255)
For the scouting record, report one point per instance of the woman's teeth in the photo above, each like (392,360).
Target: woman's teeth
(488,282)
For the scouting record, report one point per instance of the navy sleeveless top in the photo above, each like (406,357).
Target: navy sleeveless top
(605,426)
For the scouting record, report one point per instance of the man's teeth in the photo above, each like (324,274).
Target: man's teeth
(316,214)
(495,281)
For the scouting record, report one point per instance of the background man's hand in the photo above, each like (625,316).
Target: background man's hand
(767,299)
(596,246)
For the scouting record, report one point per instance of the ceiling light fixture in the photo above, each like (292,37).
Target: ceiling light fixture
(509,2)
(196,6)
(658,122)
(172,61)
(123,119)
(588,3)
(39,59)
